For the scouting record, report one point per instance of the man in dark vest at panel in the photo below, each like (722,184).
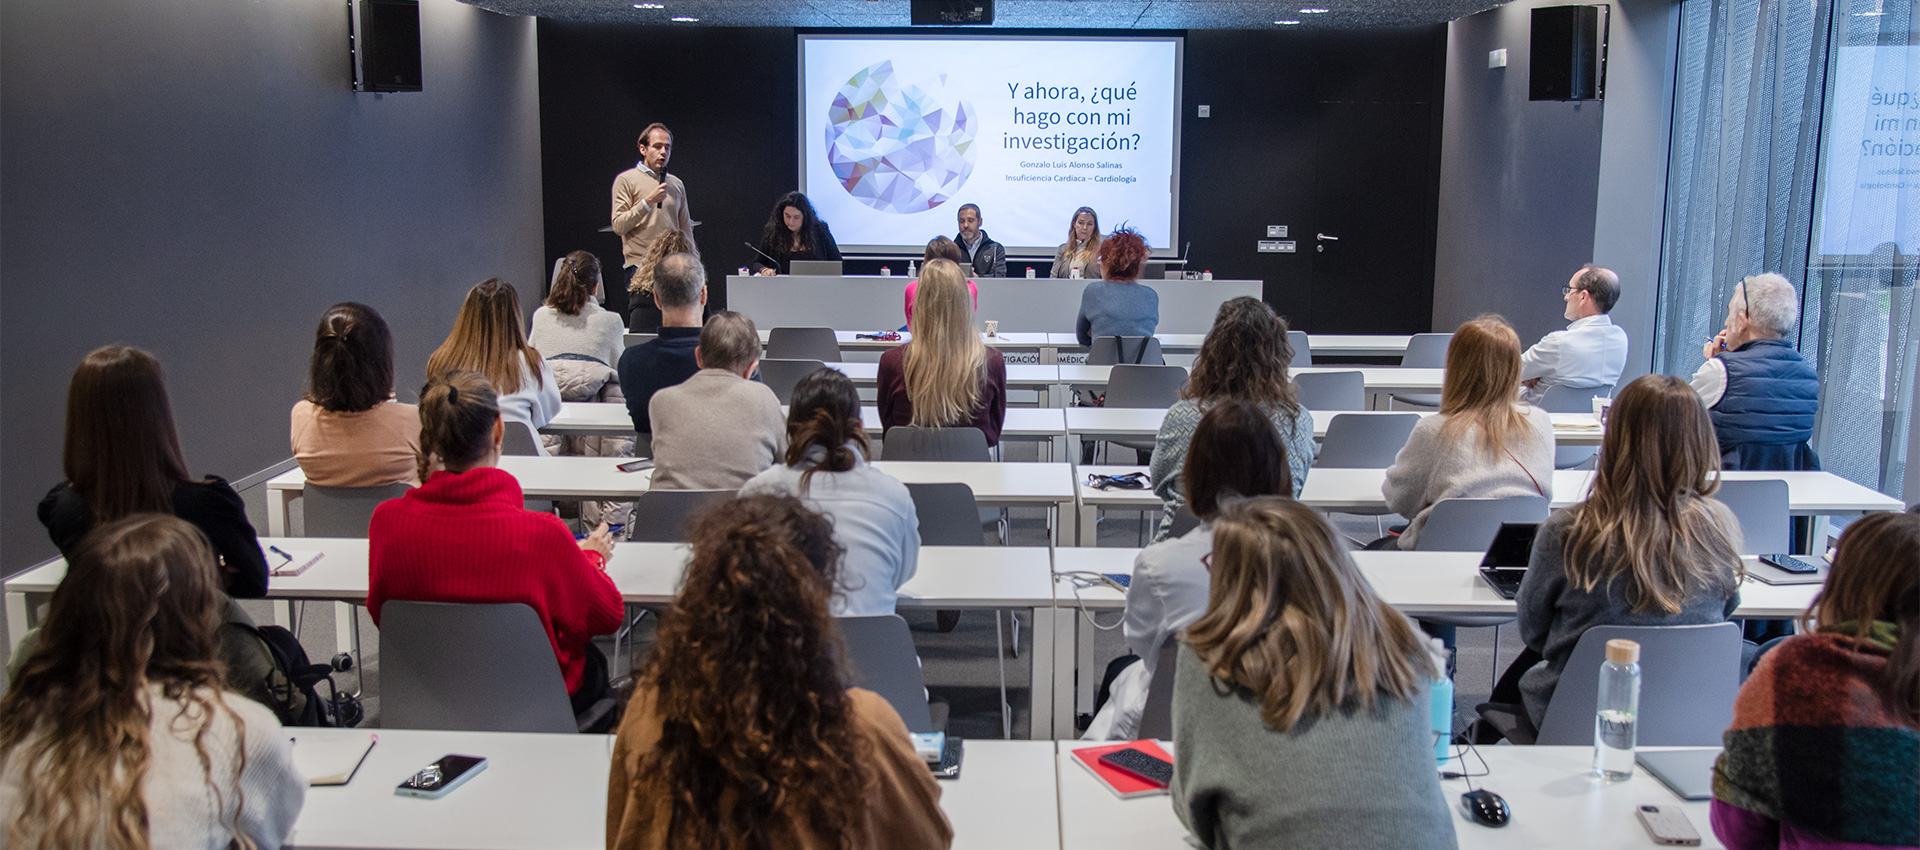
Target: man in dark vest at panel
(1761,394)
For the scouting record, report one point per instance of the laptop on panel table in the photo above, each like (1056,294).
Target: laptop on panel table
(819,268)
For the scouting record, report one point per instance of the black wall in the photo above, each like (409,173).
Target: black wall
(1277,100)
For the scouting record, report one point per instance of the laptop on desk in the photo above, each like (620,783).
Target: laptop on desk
(822,268)
(1505,563)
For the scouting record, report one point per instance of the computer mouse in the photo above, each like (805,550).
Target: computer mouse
(1486,808)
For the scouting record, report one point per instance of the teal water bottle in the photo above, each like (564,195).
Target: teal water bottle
(1442,710)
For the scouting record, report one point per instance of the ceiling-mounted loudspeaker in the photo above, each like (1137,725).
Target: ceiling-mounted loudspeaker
(936,13)
(383,37)
(1568,59)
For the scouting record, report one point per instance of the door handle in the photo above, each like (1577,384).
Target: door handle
(1325,238)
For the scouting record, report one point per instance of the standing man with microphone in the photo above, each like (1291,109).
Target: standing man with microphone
(646,203)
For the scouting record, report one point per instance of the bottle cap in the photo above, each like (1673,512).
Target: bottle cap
(1621,651)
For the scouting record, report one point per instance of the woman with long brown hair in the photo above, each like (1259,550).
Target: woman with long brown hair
(1825,742)
(827,467)
(121,456)
(946,377)
(1297,662)
(1484,443)
(348,431)
(1079,256)
(489,337)
(1649,546)
(117,731)
(742,732)
(1243,358)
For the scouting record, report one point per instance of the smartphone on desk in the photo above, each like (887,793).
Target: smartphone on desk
(1789,563)
(636,465)
(440,778)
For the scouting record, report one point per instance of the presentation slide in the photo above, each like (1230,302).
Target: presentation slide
(1870,193)
(898,132)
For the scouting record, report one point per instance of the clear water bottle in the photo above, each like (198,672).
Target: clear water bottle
(913,269)
(1617,711)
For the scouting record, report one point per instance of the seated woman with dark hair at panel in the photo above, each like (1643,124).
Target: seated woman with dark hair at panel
(941,248)
(1079,256)
(1484,444)
(827,466)
(465,535)
(1648,547)
(1302,701)
(645,315)
(349,431)
(582,344)
(1117,305)
(793,232)
(742,732)
(118,730)
(1824,751)
(1243,358)
(121,456)
(945,377)
(489,337)
(1235,454)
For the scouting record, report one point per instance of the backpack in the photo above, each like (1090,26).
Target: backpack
(268,665)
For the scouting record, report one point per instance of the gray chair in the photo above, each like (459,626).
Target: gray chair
(1364,440)
(1761,506)
(1562,399)
(1146,387)
(660,516)
(472,668)
(781,375)
(1156,717)
(803,344)
(1111,350)
(1332,390)
(1302,348)
(1183,522)
(1689,676)
(881,658)
(521,441)
(910,442)
(1469,525)
(1425,351)
(947,514)
(345,511)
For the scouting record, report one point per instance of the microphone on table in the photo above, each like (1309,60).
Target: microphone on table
(770,260)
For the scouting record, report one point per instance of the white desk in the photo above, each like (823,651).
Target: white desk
(850,341)
(1556,802)
(1323,345)
(550,791)
(1134,423)
(1381,381)
(601,419)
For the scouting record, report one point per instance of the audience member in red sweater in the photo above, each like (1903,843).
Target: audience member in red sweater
(466,536)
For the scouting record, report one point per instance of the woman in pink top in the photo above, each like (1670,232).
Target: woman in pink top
(348,431)
(941,248)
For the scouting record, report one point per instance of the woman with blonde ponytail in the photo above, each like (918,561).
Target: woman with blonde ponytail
(946,377)
(118,733)
(742,732)
(826,466)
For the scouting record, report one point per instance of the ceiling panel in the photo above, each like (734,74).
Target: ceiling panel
(1008,14)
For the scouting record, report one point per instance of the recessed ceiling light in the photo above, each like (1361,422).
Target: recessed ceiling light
(1313,11)
(686,19)
(649,6)
(1286,23)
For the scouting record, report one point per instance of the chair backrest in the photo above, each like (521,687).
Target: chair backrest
(1469,525)
(520,440)
(1689,676)
(948,514)
(344,511)
(660,516)
(1428,351)
(803,344)
(1332,390)
(910,442)
(1156,717)
(1111,350)
(881,658)
(1145,386)
(479,668)
(1364,440)
(781,375)
(1564,399)
(1761,507)
(1302,347)
(1183,522)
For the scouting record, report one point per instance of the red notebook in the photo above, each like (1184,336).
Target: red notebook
(1118,781)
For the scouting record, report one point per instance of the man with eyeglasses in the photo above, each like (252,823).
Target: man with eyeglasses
(1591,352)
(1762,395)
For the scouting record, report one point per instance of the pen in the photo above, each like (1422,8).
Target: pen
(278,551)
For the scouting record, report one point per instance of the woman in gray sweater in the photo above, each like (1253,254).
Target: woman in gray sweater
(1649,547)
(1484,444)
(1333,752)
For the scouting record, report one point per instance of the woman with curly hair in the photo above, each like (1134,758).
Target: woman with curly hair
(1117,306)
(742,733)
(793,232)
(1243,358)
(119,731)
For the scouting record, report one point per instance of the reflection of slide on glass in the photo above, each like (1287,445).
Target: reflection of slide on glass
(898,148)
(1870,194)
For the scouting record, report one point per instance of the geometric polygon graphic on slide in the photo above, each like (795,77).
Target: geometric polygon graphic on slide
(899,148)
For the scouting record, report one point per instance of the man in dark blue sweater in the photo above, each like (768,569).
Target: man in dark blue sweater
(1761,394)
(680,291)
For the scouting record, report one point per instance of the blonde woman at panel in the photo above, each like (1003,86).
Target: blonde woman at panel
(946,377)
(1081,252)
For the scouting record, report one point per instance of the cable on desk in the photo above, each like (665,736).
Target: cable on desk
(1082,579)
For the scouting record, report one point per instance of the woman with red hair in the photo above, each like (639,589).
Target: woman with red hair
(1117,306)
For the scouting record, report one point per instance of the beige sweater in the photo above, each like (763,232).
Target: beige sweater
(714,431)
(368,448)
(638,222)
(1430,468)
